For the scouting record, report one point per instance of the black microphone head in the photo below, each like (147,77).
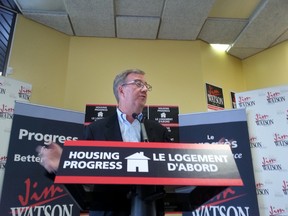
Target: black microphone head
(135,115)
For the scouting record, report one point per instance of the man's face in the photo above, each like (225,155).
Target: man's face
(132,92)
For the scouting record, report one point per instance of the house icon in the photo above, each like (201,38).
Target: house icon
(163,115)
(137,162)
(100,114)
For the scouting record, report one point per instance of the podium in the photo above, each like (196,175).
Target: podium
(145,178)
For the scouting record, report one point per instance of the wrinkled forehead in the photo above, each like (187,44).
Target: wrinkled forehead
(134,76)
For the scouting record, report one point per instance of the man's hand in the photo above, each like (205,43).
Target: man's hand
(50,156)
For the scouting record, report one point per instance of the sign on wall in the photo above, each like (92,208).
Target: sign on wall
(215,97)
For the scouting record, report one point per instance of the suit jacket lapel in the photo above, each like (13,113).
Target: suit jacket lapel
(112,129)
(148,131)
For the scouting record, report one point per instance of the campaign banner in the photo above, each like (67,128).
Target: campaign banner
(100,162)
(267,114)
(10,91)
(165,115)
(94,112)
(215,97)
(26,188)
(224,127)
(168,117)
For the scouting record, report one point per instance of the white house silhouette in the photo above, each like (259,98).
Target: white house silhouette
(100,114)
(137,162)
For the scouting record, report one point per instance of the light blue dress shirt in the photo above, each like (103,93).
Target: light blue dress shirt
(130,131)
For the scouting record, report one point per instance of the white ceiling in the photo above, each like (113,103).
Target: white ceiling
(249,26)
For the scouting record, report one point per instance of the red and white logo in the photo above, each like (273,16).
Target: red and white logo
(280,139)
(37,200)
(263,120)
(277,211)
(245,102)
(254,143)
(274,97)
(270,164)
(24,93)
(261,189)
(6,112)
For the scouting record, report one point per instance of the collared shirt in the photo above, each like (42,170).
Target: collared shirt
(130,132)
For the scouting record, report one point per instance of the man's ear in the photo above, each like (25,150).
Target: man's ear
(120,89)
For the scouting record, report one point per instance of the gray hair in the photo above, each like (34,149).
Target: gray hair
(121,78)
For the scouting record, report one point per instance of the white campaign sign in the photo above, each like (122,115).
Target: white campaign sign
(10,91)
(267,114)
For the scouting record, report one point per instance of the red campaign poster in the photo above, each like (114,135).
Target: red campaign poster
(215,98)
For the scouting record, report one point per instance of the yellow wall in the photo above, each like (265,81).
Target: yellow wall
(268,68)
(39,56)
(70,72)
(222,70)
(173,69)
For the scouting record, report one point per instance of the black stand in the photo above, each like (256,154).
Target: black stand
(142,205)
(145,199)
(118,193)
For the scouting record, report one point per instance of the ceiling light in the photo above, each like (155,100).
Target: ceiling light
(220,47)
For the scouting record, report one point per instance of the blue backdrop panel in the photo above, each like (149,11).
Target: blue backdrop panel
(228,127)
(26,189)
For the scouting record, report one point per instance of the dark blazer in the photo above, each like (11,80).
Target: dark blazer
(108,129)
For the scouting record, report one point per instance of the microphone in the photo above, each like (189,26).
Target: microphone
(135,116)
(143,129)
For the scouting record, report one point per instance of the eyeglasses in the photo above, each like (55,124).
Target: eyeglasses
(139,84)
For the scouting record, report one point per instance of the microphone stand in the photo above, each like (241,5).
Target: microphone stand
(143,131)
(142,204)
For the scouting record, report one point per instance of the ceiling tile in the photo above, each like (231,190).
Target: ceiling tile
(92,17)
(58,21)
(183,19)
(41,5)
(243,53)
(178,30)
(282,38)
(137,27)
(221,31)
(139,7)
(266,26)
(265,22)
(233,8)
